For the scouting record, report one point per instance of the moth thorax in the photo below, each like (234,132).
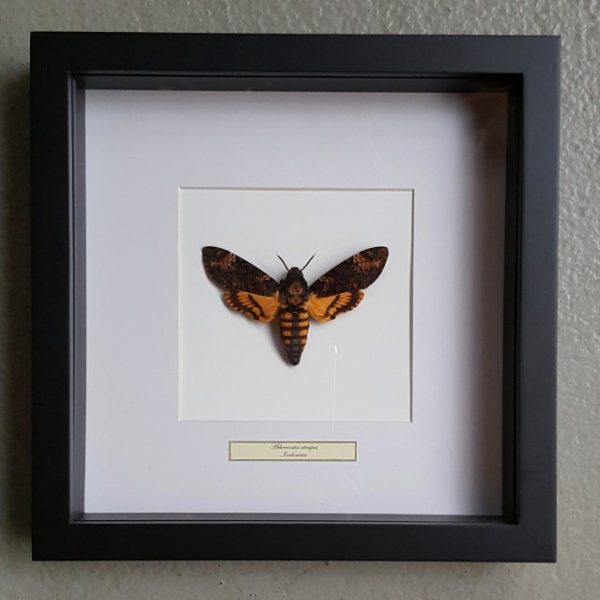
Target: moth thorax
(295,293)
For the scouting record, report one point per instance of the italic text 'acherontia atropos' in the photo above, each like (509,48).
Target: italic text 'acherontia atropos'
(252,292)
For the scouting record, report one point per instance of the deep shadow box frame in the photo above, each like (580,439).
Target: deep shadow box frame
(63,65)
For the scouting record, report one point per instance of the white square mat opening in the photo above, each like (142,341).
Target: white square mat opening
(353,368)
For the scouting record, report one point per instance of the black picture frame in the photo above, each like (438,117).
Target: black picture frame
(65,64)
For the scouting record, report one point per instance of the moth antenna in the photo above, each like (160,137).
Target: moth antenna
(283,261)
(308,262)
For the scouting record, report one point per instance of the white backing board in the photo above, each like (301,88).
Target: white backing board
(142,147)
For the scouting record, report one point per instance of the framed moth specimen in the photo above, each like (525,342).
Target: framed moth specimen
(252,292)
(421,173)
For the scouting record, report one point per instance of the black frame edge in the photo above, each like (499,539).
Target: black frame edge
(537,322)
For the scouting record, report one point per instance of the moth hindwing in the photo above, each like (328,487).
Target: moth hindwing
(255,294)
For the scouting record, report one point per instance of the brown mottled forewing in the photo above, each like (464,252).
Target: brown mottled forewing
(230,272)
(355,273)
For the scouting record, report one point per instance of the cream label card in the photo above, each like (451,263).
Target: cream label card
(292,451)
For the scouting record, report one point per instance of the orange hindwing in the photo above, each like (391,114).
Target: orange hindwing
(257,307)
(328,307)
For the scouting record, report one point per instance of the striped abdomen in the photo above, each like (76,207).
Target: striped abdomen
(293,324)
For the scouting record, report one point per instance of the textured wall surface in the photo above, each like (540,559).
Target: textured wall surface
(577,573)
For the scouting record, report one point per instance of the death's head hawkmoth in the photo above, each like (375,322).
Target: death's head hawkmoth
(255,294)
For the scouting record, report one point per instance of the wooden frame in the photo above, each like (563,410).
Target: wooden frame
(64,64)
